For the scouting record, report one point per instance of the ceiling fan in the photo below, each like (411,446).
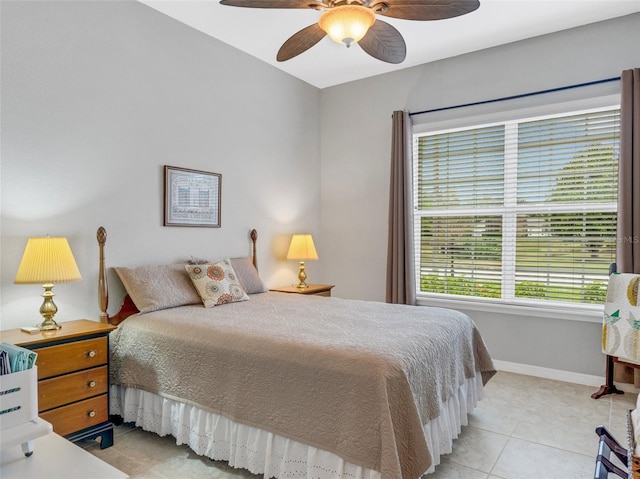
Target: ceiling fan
(354,21)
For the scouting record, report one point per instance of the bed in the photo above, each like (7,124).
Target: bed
(285,385)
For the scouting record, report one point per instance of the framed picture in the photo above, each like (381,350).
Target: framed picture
(191,197)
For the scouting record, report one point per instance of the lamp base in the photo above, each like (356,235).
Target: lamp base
(302,276)
(49,325)
(48,309)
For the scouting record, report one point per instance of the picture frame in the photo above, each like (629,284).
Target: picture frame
(191,197)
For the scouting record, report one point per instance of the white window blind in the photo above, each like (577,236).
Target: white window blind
(519,211)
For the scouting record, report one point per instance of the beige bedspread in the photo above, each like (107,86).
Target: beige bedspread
(355,378)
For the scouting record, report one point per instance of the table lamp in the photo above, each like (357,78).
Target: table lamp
(302,248)
(47,261)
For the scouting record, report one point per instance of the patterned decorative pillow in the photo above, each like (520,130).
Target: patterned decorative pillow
(216,283)
(245,271)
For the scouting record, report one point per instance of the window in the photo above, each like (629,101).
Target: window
(519,211)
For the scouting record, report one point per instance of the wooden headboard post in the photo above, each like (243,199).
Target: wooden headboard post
(254,252)
(103,288)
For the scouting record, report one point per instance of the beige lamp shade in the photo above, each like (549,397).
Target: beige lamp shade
(302,247)
(47,260)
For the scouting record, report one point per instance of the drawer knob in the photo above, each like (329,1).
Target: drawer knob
(92,384)
(91,413)
(91,354)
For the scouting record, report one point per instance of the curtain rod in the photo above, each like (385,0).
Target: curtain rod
(513,97)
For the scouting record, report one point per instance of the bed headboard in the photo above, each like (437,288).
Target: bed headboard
(128,308)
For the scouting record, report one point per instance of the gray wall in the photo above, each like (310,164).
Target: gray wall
(96,98)
(356,145)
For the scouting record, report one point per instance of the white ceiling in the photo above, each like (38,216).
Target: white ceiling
(261,32)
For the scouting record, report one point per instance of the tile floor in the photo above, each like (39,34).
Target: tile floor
(525,427)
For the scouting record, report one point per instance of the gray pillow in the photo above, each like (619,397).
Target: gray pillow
(158,287)
(248,275)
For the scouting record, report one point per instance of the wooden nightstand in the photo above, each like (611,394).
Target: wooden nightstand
(73,377)
(314,289)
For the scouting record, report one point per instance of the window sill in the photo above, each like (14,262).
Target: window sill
(586,313)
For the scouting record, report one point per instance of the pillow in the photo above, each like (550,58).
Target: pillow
(245,271)
(158,287)
(248,275)
(216,283)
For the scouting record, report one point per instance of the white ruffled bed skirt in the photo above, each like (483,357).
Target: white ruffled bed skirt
(262,452)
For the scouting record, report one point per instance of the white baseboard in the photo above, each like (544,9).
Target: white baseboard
(558,375)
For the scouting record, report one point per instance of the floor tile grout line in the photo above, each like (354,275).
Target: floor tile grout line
(499,456)
(511,437)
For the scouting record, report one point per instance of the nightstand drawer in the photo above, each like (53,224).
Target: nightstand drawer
(83,414)
(75,356)
(72,387)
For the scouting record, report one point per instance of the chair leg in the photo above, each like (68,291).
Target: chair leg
(608,387)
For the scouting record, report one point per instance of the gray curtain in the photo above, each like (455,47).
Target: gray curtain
(400,270)
(628,246)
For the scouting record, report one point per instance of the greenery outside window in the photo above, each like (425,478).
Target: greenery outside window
(521,211)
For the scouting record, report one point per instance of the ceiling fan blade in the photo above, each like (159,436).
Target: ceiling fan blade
(300,42)
(272,3)
(384,42)
(427,9)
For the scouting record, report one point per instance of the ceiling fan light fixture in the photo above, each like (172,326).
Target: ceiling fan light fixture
(347,24)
